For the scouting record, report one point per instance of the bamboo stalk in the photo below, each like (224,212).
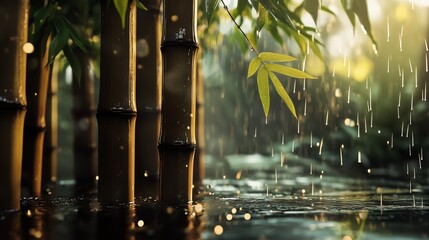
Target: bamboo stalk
(177,139)
(199,165)
(116,111)
(50,146)
(148,87)
(84,127)
(13,100)
(38,74)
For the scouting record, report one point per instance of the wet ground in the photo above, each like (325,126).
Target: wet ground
(301,208)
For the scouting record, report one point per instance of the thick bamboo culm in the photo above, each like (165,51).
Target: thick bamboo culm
(84,127)
(50,146)
(199,166)
(148,88)
(116,111)
(177,140)
(38,73)
(12,100)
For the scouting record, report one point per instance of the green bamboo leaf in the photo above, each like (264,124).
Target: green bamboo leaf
(58,43)
(275,57)
(347,6)
(253,66)
(328,10)
(312,7)
(74,36)
(121,7)
(287,71)
(282,92)
(264,89)
(140,5)
(211,7)
(361,10)
(74,62)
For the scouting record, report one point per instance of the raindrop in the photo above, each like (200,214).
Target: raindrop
(414,201)
(391,141)
(426,45)
(415,76)
(283,139)
(348,95)
(411,189)
(311,139)
(366,129)
(414,173)
(381,200)
(408,129)
(305,107)
(359,157)
(303,84)
(298,126)
(294,86)
(341,155)
(426,61)
(256,132)
(411,66)
(412,101)
(408,172)
(388,64)
(388,29)
(372,117)
(402,78)
(311,168)
(370,99)
(320,147)
(399,99)
(412,139)
(409,150)
(327,118)
(400,43)
(282,159)
(402,129)
(293,146)
(275,175)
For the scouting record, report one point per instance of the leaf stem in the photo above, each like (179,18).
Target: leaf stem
(239,28)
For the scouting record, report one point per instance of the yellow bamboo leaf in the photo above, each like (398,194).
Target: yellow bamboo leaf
(287,71)
(275,57)
(253,66)
(282,92)
(264,89)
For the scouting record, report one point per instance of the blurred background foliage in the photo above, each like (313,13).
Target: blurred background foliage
(360,58)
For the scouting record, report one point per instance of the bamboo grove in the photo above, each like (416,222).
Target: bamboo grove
(150,112)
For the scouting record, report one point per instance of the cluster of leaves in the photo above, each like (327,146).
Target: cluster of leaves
(274,15)
(266,64)
(48,23)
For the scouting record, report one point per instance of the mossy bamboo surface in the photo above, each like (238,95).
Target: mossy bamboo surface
(116,111)
(177,140)
(148,88)
(13,100)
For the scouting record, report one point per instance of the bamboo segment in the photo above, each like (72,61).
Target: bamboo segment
(38,74)
(84,127)
(50,146)
(177,140)
(148,87)
(13,100)
(116,111)
(199,165)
